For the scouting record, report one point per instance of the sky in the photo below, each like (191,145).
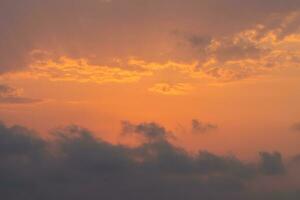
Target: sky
(163,98)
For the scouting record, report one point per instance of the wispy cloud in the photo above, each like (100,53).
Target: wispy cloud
(171,89)
(79,70)
(201,127)
(11,95)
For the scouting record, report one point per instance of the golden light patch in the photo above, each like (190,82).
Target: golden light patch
(155,66)
(79,70)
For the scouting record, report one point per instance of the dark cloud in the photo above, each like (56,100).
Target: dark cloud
(271,163)
(76,165)
(150,131)
(231,50)
(10,95)
(201,127)
(295,161)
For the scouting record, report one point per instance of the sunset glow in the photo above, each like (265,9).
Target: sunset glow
(211,86)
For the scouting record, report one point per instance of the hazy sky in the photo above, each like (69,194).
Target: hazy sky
(220,76)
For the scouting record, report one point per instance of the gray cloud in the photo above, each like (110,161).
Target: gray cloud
(76,165)
(201,127)
(271,163)
(10,95)
(150,131)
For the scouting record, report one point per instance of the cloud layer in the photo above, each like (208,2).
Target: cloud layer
(228,46)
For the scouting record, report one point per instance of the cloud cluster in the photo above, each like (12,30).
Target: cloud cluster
(75,164)
(228,46)
(253,51)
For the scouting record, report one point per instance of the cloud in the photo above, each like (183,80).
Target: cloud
(253,51)
(102,32)
(271,163)
(79,70)
(10,95)
(296,127)
(76,165)
(171,89)
(200,127)
(151,131)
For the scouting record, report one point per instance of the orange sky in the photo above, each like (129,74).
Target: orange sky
(165,63)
